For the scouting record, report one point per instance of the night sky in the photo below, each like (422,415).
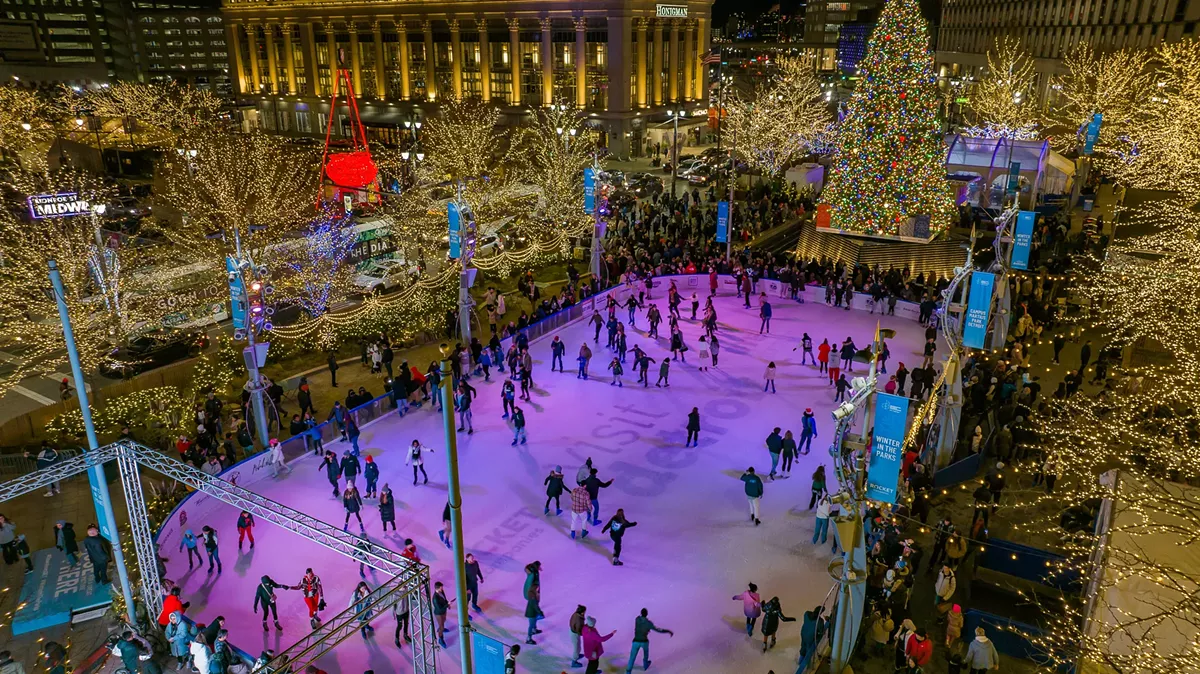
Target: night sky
(721,8)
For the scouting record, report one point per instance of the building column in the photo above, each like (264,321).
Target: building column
(547,63)
(485,60)
(456,57)
(673,67)
(380,63)
(689,60)
(255,74)
(702,48)
(331,47)
(235,44)
(289,57)
(581,88)
(514,58)
(272,59)
(308,42)
(658,62)
(355,58)
(640,65)
(620,32)
(405,58)
(431,91)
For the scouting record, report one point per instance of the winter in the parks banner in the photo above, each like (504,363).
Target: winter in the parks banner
(1022,239)
(887,443)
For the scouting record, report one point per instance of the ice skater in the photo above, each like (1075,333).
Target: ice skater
(265,596)
(642,627)
(806,350)
(209,536)
(352,502)
(677,346)
(445,533)
(617,371)
(278,463)
(360,601)
(554,489)
(774,448)
(350,466)
(314,596)
(518,426)
(594,484)
(664,374)
(754,492)
(585,356)
(189,541)
(414,456)
(557,349)
(643,365)
(808,431)
(772,615)
(787,455)
(693,428)
(245,527)
(764,313)
(466,393)
(387,507)
(533,598)
(581,506)
(705,355)
(823,356)
(474,578)
(616,527)
(441,606)
(508,394)
(333,470)
(842,386)
(769,377)
(371,475)
(751,606)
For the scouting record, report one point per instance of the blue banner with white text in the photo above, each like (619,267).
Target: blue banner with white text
(887,444)
(722,221)
(487,654)
(979,307)
(1093,133)
(1022,239)
(589,190)
(455,218)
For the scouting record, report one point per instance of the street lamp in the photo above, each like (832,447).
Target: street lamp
(675,114)
(26,125)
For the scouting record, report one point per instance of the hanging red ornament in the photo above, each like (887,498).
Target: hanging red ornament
(893,164)
(351,169)
(903,138)
(902,95)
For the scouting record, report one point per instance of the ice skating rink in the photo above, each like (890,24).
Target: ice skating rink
(692,550)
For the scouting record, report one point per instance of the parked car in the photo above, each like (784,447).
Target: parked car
(645,185)
(384,274)
(685,163)
(151,350)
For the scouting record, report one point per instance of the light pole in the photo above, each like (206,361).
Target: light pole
(675,114)
(99,485)
(455,500)
(732,183)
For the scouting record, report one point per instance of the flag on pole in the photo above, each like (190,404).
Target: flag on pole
(711,58)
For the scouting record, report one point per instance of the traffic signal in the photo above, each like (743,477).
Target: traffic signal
(256,298)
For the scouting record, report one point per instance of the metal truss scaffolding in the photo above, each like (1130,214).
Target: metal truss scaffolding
(409,580)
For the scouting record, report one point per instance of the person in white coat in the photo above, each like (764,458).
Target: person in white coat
(201,653)
(278,465)
(414,456)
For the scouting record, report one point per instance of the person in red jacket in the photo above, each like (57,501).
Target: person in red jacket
(313,595)
(823,356)
(171,604)
(919,648)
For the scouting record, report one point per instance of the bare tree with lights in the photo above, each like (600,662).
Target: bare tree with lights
(1114,84)
(553,153)
(320,271)
(1002,99)
(148,113)
(778,121)
(28,122)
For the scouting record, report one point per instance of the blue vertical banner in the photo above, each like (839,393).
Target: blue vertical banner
(455,218)
(487,654)
(1014,177)
(237,295)
(722,221)
(1093,133)
(979,306)
(887,444)
(589,190)
(96,478)
(1022,239)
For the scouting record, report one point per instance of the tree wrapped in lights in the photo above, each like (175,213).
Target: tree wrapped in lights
(255,185)
(105,302)
(553,153)
(28,119)
(1115,84)
(890,162)
(777,123)
(463,141)
(321,273)
(158,112)
(1001,100)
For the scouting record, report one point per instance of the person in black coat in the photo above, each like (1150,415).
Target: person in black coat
(99,552)
(772,615)
(554,489)
(352,502)
(64,539)
(333,470)
(693,427)
(387,507)
(350,466)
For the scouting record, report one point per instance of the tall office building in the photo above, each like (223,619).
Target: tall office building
(1051,29)
(623,62)
(182,42)
(76,42)
(823,19)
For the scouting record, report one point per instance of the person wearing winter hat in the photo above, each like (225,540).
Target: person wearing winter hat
(954,624)
(371,475)
(265,595)
(981,654)
(554,489)
(278,464)
(808,431)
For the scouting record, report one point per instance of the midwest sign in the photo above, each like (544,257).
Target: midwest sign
(62,205)
(672,11)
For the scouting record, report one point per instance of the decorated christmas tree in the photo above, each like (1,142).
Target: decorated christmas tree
(888,174)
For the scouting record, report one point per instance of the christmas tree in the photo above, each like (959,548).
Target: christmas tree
(890,163)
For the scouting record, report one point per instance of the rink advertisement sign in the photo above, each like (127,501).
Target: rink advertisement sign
(887,445)
(979,306)
(61,205)
(487,654)
(1022,239)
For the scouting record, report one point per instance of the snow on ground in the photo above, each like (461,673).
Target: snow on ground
(694,546)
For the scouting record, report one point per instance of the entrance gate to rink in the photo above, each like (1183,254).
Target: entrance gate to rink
(409,580)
